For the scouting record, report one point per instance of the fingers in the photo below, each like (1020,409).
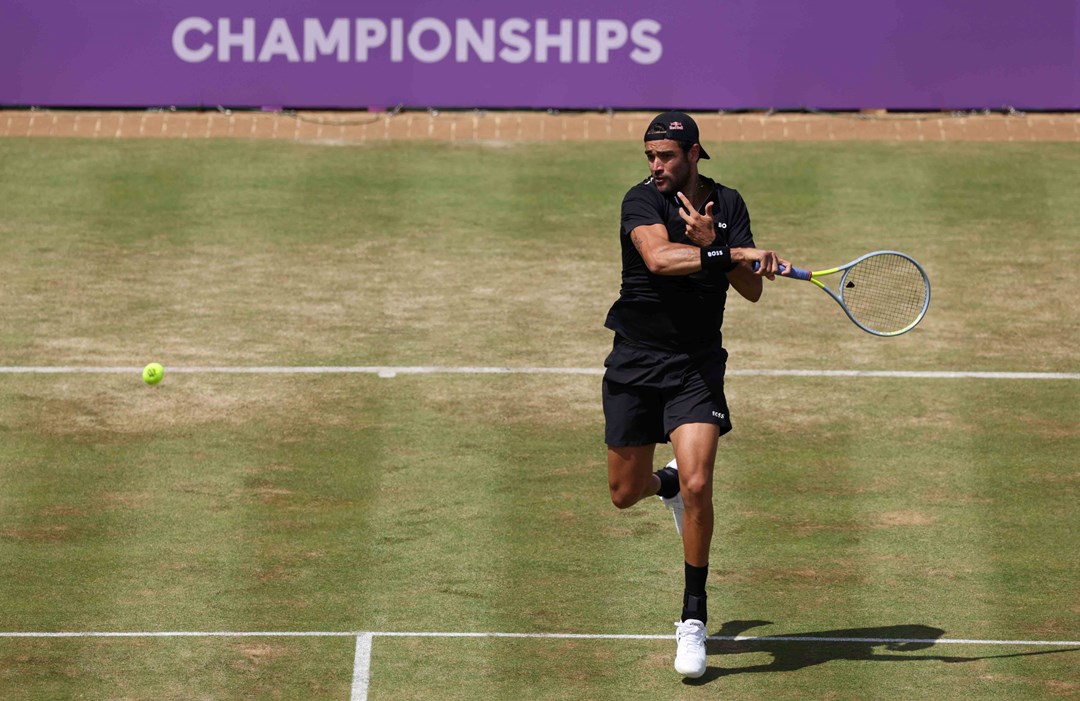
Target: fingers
(767,264)
(691,214)
(699,227)
(686,211)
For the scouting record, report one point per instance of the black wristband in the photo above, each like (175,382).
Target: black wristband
(717,258)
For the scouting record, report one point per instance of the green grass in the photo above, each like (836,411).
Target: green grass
(478,503)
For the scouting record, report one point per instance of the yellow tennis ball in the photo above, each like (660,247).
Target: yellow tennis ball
(153,373)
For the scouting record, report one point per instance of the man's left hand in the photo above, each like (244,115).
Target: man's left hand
(699,227)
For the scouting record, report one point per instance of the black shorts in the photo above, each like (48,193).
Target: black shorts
(648,392)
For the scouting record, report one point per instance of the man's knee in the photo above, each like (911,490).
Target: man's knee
(629,472)
(696,486)
(624,495)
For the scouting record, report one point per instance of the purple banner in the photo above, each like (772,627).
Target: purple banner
(621,54)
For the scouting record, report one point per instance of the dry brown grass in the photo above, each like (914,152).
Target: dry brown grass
(337,128)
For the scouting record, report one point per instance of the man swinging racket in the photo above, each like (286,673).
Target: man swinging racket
(685,239)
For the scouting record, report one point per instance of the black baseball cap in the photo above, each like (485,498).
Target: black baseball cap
(678,126)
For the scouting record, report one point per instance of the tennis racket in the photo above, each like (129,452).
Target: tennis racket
(885,293)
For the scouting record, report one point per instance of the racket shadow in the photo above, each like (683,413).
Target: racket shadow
(879,644)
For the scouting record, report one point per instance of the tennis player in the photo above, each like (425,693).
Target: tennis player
(685,240)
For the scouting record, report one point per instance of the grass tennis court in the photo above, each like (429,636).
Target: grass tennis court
(847,507)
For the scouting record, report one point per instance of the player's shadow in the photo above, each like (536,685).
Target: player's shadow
(800,650)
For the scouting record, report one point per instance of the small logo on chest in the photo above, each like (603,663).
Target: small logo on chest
(721,225)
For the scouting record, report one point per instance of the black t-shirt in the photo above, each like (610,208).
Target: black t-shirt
(676,312)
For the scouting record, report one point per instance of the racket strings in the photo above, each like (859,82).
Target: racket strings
(886,293)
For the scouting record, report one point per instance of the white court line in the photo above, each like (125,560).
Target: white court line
(361,668)
(361,678)
(388,371)
(550,636)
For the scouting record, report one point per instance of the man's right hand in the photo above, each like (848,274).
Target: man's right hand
(768,262)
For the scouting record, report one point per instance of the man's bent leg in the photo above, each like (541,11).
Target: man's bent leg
(630,474)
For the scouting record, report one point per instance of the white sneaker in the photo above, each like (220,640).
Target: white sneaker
(674,504)
(690,655)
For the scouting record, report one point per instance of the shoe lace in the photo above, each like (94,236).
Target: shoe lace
(691,630)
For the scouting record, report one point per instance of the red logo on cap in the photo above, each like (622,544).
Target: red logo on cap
(675,125)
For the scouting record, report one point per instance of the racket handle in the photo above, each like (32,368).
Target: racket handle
(797,273)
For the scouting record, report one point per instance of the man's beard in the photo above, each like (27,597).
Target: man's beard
(676,182)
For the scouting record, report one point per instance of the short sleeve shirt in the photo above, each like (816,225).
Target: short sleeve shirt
(674,312)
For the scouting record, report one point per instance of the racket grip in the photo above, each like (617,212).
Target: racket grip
(797,273)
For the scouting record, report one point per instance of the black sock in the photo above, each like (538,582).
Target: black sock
(694,598)
(669,482)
